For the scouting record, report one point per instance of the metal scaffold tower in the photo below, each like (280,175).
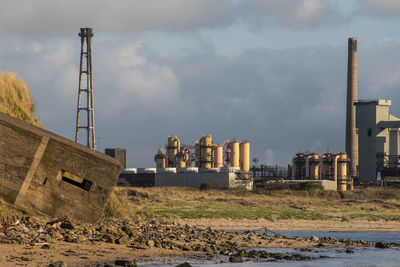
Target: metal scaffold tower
(86,87)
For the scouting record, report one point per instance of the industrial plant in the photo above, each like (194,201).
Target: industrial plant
(219,165)
(371,155)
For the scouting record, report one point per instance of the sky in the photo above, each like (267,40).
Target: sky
(272,72)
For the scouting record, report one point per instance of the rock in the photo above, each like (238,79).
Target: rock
(150,243)
(349,250)
(129,231)
(314,238)
(381,245)
(235,258)
(56,235)
(66,224)
(185,264)
(125,263)
(58,264)
(48,246)
(123,240)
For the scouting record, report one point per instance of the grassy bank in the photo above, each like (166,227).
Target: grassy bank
(373,204)
(16,100)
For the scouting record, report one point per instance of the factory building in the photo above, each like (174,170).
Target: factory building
(331,169)
(378,140)
(220,165)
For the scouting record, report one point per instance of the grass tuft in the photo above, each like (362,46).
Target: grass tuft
(16,100)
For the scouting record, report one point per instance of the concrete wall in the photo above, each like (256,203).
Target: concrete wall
(46,172)
(216,180)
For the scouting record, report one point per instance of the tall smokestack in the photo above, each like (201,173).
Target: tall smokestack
(351,136)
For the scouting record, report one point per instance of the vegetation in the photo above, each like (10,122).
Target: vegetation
(205,186)
(15,99)
(188,203)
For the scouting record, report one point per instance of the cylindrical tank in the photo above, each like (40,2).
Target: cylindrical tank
(173,147)
(312,166)
(342,163)
(206,152)
(218,156)
(181,160)
(326,165)
(196,146)
(234,154)
(299,166)
(244,158)
(160,158)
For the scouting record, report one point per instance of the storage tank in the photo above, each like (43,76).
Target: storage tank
(299,166)
(181,160)
(160,158)
(234,154)
(218,156)
(312,166)
(206,152)
(244,158)
(327,166)
(173,147)
(342,162)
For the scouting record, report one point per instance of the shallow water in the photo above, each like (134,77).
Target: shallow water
(360,257)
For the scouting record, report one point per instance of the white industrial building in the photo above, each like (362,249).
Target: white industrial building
(378,140)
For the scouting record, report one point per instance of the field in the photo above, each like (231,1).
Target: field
(372,205)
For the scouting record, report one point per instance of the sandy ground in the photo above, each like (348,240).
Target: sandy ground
(84,254)
(296,225)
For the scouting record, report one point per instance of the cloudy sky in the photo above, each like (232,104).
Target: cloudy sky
(269,71)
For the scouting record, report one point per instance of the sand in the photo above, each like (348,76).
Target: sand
(297,225)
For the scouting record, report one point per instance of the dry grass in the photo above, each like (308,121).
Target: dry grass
(367,204)
(16,100)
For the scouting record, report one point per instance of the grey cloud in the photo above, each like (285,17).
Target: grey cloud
(299,14)
(61,18)
(381,7)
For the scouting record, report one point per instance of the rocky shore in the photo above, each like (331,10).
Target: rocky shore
(34,240)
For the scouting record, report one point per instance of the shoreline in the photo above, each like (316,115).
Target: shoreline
(294,225)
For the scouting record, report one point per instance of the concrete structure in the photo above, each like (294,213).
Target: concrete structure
(117,153)
(351,135)
(186,177)
(43,171)
(378,134)
(217,180)
(326,184)
(136,179)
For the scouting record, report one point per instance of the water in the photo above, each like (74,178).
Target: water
(388,237)
(361,257)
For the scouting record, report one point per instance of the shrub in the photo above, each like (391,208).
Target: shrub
(308,186)
(205,186)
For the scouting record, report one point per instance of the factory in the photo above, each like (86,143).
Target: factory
(330,170)
(224,165)
(371,156)
(372,142)
(372,133)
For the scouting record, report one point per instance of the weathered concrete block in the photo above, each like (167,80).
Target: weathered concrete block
(43,171)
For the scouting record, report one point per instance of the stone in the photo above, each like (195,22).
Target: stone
(381,245)
(58,264)
(125,263)
(185,264)
(235,258)
(314,238)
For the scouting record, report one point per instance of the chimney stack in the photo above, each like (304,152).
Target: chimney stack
(351,135)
